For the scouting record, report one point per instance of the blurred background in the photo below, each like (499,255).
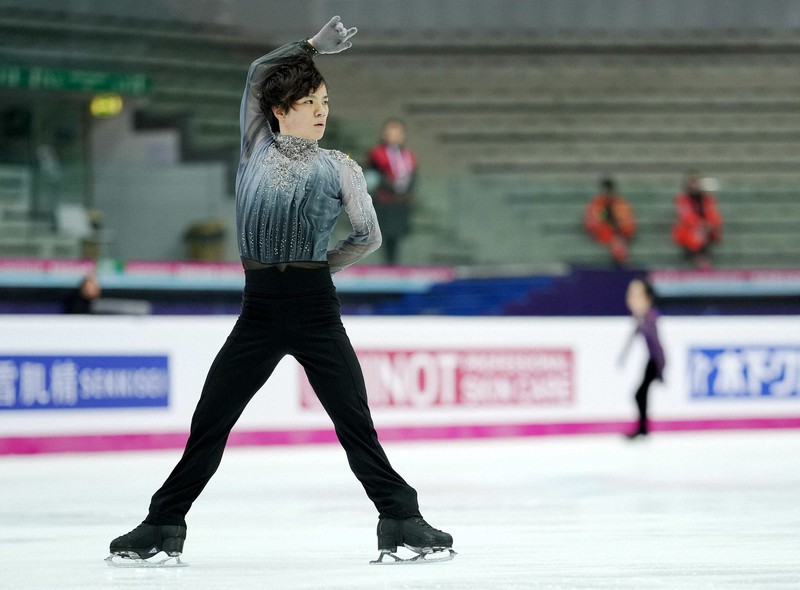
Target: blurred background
(119,142)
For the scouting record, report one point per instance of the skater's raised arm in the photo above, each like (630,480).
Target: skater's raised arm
(253,124)
(332,38)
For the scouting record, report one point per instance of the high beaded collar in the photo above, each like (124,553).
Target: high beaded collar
(296,148)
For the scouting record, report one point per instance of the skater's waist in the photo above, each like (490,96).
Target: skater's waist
(287,279)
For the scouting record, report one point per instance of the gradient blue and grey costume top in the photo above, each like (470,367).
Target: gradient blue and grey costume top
(289,191)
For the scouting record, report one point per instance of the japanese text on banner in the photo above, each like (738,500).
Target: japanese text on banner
(60,382)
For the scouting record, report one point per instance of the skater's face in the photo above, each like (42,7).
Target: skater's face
(637,299)
(307,117)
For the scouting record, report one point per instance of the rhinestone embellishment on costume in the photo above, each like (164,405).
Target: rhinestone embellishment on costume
(289,161)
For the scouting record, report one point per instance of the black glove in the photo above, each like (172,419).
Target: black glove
(333,37)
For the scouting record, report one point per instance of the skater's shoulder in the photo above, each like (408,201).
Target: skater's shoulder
(341,159)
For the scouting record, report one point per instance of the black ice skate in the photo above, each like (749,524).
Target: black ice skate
(148,545)
(414,534)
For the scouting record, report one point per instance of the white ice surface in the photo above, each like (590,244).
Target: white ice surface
(711,510)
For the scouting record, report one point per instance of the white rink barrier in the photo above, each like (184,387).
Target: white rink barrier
(81,383)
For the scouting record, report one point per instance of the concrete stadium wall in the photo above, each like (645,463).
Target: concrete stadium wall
(72,384)
(302,16)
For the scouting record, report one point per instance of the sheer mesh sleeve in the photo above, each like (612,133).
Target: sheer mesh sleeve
(252,122)
(366,235)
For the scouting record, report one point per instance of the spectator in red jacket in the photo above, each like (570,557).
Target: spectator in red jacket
(394,167)
(609,219)
(699,223)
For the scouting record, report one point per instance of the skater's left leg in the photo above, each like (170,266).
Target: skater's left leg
(335,374)
(333,371)
(323,348)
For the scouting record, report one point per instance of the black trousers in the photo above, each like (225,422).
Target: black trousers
(294,312)
(650,374)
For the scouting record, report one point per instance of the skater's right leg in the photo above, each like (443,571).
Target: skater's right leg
(245,362)
(240,369)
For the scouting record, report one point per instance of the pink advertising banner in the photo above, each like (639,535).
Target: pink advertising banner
(469,377)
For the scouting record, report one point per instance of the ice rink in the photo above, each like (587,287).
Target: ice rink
(691,510)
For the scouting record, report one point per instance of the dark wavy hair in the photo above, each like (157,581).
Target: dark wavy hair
(292,79)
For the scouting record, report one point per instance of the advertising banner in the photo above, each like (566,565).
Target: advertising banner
(104,382)
(61,382)
(755,372)
(417,378)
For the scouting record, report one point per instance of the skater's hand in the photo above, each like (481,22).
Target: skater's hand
(333,37)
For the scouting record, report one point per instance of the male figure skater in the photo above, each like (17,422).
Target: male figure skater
(289,193)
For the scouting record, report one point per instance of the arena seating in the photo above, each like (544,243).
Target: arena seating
(512,133)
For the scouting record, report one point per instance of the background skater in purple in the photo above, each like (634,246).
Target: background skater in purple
(640,299)
(289,193)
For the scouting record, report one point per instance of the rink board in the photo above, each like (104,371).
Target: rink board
(113,383)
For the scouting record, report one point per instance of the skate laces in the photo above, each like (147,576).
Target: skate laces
(421,522)
(136,528)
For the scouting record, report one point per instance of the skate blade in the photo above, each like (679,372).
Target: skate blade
(160,559)
(423,556)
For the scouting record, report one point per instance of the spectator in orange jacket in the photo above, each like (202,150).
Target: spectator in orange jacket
(609,219)
(699,223)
